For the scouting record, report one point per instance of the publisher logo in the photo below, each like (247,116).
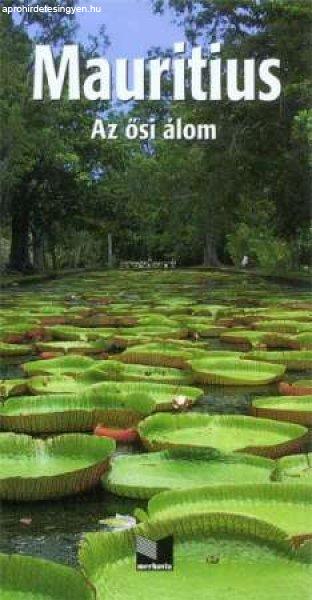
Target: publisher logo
(154,555)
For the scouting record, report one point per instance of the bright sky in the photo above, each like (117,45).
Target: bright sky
(131,26)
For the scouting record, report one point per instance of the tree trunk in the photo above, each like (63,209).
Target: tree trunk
(38,250)
(53,257)
(19,254)
(210,253)
(110,258)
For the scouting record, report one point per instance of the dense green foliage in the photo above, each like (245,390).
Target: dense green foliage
(245,193)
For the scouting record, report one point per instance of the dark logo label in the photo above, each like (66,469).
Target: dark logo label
(154,555)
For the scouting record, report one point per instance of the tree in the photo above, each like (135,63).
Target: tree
(262,151)
(48,161)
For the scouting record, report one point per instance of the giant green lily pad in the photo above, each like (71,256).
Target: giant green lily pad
(36,469)
(53,413)
(55,384)
(156,331)
(162,394)
(72,333)
(27,578)
(20,333)
(143,475)
(216,556)
(205,327)
(167,354)
(302,384)
(48,310)
(296,468)
(76,347)
(64,365)
(277,314)
(281,326)
(13,387)
(234,371)
(257,339)
(295,360)
(15,349)
(302,341)
(286,506)
(287,315)
(132,377)
(227,433)
(154,319)
(118,371)
(93,321)
(296,409)
(244,337)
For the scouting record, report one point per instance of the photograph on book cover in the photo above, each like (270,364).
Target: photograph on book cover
(156,328)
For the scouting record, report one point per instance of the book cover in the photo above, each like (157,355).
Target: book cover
(156,336)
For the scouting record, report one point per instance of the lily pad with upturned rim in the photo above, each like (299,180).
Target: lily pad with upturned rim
(114,370)
(75,347)
(20,333)
(28,578)
(226,433)
(13,387)
(296,409)
(275,314)
(15,349)
(302,387)
(153,319)
(55,384)
(302,341)
(234,371)
(296,468)
(93,381)
(75,333)
(38,469)
(285,506)
(64,365)
(302,383)
(160,331)
(56,413)
(168,354)
(143,475)
(294,360)
(257,339)
(292,327)
(216,556)
(163,394)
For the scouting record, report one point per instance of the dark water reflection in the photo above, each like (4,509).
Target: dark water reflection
(58,526)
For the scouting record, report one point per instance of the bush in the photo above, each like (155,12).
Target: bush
(267,251)
(303,246)
(5,243)
(272,254)
(238,243)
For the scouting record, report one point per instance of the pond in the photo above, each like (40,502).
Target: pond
(53,529)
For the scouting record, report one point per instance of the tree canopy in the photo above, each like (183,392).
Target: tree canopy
(246,192)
